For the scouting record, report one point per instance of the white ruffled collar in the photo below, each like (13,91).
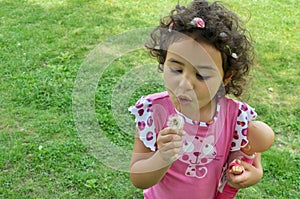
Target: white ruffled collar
(199,123)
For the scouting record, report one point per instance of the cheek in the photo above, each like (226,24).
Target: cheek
(213,86)
(170,85)
(208,88)
(170,81)
(173,99)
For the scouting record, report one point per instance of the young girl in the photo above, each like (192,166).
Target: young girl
(185,135)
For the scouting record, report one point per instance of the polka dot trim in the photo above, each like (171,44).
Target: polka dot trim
(245,114)
(144,122)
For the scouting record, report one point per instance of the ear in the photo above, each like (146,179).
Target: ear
(228,76)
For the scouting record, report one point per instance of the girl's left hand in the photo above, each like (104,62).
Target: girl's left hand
(251,175)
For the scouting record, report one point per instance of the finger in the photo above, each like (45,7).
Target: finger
(242,178)
(162,139)
(171,151)
(246,165)
(181,132)
(169,138)
(172,141)
(168,131)
(236,179)
(171,145)
(235,163)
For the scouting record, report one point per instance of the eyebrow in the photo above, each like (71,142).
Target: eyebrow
(175,61)
(198,67)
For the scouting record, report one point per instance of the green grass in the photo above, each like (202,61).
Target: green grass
(43,45)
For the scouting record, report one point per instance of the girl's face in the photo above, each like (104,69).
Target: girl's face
(193,74)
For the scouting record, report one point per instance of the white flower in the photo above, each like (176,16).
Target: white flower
(40,147)
(175,122)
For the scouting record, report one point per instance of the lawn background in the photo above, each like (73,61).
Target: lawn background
(43,45)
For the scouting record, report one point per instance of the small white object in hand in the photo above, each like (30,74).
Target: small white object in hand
(175,122)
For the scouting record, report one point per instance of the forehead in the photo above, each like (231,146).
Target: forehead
(196,53)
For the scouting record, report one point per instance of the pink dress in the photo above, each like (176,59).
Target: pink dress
(206,146)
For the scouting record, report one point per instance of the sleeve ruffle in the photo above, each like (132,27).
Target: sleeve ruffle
(144,122)
(246,114)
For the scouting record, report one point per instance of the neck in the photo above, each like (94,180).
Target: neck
(208,111)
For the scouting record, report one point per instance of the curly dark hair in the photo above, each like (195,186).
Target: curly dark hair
(223,29)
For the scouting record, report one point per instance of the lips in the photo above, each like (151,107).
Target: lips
(184,99)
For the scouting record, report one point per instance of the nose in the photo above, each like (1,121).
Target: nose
(186,82)
(196,154)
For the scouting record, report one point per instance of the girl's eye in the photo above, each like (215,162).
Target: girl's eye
(175,70)
(202,77)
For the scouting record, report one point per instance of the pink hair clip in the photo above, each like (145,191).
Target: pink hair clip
(171,26)
(198,22)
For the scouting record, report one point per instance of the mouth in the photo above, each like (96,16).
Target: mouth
(184,99)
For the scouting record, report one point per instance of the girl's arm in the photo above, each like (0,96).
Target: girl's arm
(147,167)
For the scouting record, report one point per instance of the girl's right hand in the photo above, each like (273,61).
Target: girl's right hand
(252,174)
(169,143)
